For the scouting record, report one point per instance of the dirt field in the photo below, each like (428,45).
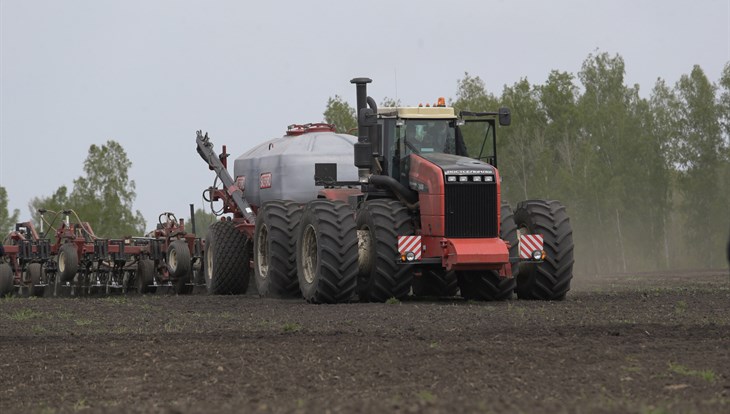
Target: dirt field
(647,343)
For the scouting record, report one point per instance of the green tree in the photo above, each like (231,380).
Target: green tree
(700,153)
(7,220)
(472,95)
(724,103)
(104,196)
(524,157)
(203,220)
(558,98)
(624,195)
(390,103)
(341,114)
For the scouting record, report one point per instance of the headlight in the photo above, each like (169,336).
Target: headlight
(451,178)
(477,178)
(410,256)
(537,255)
(463,178)
(488,178)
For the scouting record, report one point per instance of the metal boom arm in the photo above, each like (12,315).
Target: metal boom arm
(205,150)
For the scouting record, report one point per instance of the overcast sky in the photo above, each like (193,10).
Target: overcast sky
(148,73)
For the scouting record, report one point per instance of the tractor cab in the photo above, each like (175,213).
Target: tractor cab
(435,130)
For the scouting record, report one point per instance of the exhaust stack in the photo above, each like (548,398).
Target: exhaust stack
(363,147)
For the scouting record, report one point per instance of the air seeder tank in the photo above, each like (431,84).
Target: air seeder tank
(283,168)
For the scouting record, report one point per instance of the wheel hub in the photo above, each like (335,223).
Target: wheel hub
(209,262)
(309,248)
(262,252)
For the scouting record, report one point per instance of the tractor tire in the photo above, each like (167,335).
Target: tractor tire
(380,222)
(68,262)
(327,252)
(226,259)
(484,285)
(37,279)
(145,276)
(436,282)
(275,249)
(6,279)
(178,259)
(549,280)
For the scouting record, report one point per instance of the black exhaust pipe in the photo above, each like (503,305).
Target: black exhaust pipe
(363,148)
(403,193)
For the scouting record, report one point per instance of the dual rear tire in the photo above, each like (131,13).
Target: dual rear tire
(275,253)
(327,252)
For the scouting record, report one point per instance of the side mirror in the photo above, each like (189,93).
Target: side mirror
(505,118)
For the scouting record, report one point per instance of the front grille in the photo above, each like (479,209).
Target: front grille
(471,210)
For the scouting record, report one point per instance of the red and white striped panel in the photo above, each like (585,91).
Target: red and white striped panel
(528,244)
(410,244)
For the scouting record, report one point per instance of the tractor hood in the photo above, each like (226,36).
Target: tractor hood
(458,165)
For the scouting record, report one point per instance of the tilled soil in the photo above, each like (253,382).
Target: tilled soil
(649,343)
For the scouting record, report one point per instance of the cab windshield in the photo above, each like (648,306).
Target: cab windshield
(402,137)
(422,136)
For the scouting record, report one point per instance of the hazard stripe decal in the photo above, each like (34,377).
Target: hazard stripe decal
(410,244)
(529,243)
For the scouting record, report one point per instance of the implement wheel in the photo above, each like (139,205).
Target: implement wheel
(379,223)
(226,259)
(37,279)
(6,279)
(327,252)
(145,276)
(275,253)
(68,262)
(484,285)
(549,280)
(178,259)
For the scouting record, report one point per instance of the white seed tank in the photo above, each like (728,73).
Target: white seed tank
(283,168)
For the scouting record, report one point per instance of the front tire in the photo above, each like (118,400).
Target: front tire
(226,259)
(484,285)
(327,253)
(381,277)
(275,249)
(436,282)
(549,280)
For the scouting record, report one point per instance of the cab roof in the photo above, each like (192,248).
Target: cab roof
(420,112)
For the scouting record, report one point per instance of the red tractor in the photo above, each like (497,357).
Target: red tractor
(420,213)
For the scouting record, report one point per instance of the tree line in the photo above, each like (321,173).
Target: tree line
(646,180)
